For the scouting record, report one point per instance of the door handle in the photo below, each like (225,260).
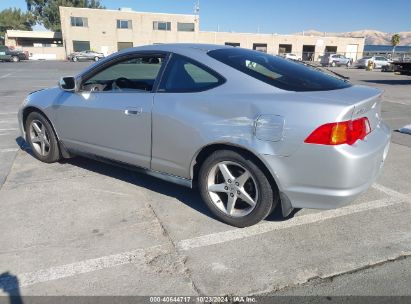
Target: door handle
(133,111)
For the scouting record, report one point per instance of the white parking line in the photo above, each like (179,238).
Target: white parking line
(13,96)
(110,192)
(91,265)
(5,76)
(391,192)
(8,150)
(9,129)
(231,235)
(8,113)
(69,270)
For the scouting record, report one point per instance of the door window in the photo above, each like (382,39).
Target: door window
(186,75)
(135,74)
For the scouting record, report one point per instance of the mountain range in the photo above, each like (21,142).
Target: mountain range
(371,36)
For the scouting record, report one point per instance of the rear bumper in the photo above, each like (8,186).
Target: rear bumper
(326,177)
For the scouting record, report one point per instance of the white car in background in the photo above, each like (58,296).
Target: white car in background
(291,56)
(378,62)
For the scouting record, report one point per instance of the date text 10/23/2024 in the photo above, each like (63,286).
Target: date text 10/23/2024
(203,299)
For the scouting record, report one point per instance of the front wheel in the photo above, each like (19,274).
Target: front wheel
(235,189)
(333,64)
(96,58)
(15,59)
(75,59)
(41,138)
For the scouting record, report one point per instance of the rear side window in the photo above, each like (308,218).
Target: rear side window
(278,72)
(184,75)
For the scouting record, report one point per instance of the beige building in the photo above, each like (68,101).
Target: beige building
(109,31)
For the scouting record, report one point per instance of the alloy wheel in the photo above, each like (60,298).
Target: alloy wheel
(40,137)
(232,189)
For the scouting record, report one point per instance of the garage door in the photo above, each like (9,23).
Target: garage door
(352,51)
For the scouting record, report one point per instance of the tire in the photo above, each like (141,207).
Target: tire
(15,59)
(257,188)
(96,59)
(348,64)
(333,64)
(75,59)
(51,151)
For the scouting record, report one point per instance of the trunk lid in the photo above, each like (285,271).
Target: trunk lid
(361,101)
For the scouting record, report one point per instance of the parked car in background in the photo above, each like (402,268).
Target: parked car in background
(85,55)
(335,60)
(8,54)
(291,56)
(378,62)
(249,129)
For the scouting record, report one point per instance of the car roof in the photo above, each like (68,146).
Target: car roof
(188,49)
(175,47)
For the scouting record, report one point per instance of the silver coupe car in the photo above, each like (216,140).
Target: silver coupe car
(251,130)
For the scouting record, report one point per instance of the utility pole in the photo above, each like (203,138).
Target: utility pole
(197,10)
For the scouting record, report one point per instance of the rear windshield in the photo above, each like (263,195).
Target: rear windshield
(278,72)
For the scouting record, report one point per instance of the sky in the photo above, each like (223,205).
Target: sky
(273,16)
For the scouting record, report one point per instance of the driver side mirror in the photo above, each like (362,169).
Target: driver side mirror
(68,84)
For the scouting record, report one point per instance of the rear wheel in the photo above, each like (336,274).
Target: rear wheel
(41,138)
(15,59)
(235,189)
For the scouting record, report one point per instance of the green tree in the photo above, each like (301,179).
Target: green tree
(47,13)
(15,19)
(395,40)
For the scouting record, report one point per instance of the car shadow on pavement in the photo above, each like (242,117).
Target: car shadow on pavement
(9,284)
(190,197)
(390,81)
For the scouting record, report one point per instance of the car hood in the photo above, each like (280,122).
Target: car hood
(45,97)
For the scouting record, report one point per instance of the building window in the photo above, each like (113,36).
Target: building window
(124,24)
(234,44)
(79,21)
(124,45)
(79,46)
(185,27)
(161,26)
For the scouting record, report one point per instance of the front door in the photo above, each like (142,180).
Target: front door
(110,116)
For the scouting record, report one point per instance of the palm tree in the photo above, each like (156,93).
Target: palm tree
(395,40)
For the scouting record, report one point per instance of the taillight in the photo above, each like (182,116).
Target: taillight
(338,133)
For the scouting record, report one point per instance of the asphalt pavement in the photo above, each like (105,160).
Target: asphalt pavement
(80,227)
